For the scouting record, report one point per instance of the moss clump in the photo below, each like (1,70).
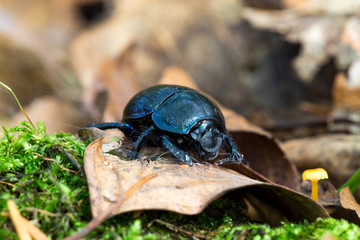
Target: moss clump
(48,191)
(320,229)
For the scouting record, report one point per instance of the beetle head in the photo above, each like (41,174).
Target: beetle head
(209,138)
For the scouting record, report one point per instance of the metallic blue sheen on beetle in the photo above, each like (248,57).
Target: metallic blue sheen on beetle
(178,119)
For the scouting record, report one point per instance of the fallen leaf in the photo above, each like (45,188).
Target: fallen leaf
(179,187)
(348,201)
(311,31)
(177,76)
(331,152)
(21,69)
(346,102)
(121,84)
(346,92)
(264,155)
(94,48)
(328,7)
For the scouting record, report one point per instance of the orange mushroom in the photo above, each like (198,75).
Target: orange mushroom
(314,175)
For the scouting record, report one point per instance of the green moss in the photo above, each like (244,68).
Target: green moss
(319,229)
(57,200)
(35,183)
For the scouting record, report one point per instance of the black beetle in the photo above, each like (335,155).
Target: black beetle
(178,119)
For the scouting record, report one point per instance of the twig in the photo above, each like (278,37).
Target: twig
(53,160)
(16,219)
(20,175)
(22,185)
(24,228)
(7,183)
(72,159)
(33,209)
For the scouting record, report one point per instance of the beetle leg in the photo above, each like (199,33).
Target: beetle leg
(168,145)
(235,156)
(124,127)
(139,142)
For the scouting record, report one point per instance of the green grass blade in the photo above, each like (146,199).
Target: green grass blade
(18,102)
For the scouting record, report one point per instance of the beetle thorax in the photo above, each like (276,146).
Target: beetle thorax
(209,138)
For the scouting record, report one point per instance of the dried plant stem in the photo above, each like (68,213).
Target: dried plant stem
(24,228)
(53,160)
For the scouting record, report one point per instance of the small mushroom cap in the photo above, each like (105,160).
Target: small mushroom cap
(315,174)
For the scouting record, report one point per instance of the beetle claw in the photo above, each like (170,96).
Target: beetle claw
(188,160)
(237,157)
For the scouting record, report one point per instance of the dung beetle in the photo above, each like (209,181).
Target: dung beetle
(178,119)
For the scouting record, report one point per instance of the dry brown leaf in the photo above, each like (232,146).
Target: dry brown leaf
(348,201)
(21,69)
(319,44)
(331,152)
(351,34)
(91,51)
(334,7)
(345,95)
(177,76)
(179,188)
(321,29)
(264,155)
(330,7)
(51,28)
(120,82)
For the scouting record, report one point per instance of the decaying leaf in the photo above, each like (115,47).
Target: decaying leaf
(118,76)
(265,156)
(346,91)
(318,27)
(348,201)
(181,188)
(346,101)
(331,152)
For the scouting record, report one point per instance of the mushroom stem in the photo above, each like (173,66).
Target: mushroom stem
(314,190)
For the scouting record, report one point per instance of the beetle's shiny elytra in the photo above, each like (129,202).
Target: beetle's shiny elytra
(178,119)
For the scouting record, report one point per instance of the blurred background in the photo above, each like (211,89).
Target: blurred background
(279,63)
